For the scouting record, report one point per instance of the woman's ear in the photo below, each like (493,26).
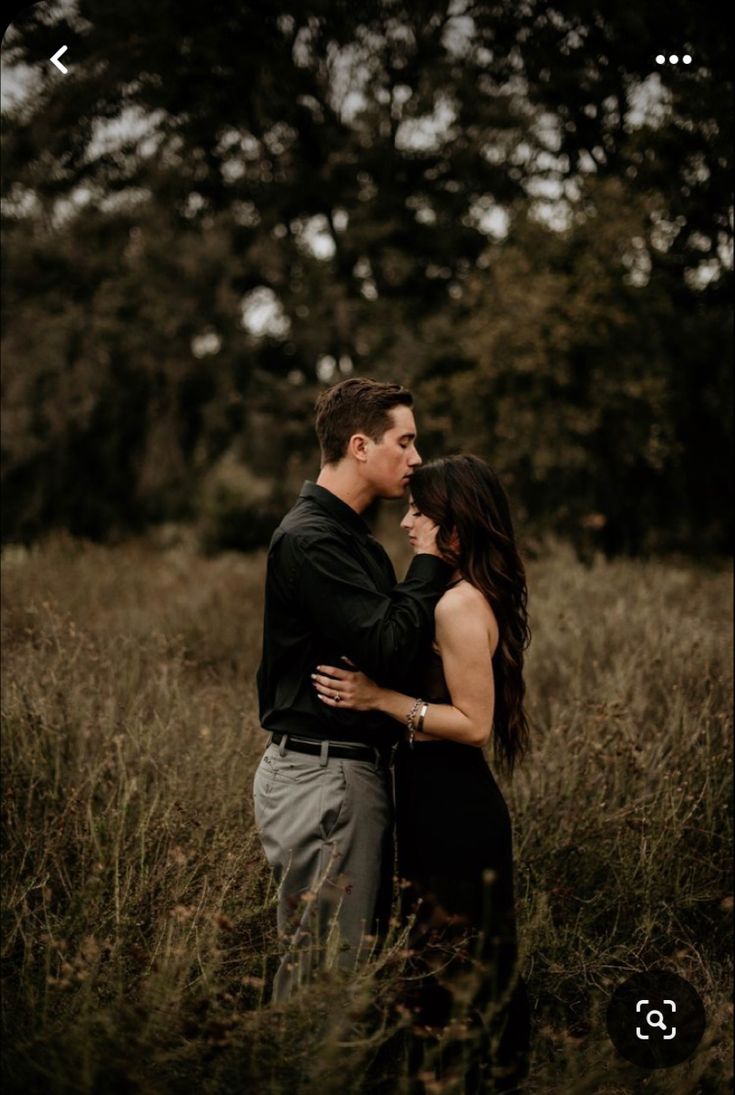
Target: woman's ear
(454,542)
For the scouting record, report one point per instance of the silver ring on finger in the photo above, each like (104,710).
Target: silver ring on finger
(337,697)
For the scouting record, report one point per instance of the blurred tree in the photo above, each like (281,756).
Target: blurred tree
(471,197)
(641,153)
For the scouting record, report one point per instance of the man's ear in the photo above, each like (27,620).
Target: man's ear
(357,447)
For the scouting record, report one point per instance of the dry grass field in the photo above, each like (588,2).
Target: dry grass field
(138,923)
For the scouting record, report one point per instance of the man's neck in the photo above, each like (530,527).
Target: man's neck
(342,482)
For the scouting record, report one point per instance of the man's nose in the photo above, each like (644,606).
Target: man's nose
(416,458)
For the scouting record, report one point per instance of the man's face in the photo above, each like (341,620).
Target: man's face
(391,461)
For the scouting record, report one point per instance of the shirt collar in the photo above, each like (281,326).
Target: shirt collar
(338,509)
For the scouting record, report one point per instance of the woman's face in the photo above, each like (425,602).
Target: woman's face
(412,522)
(409,523)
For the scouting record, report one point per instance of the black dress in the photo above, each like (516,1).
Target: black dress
(455,863)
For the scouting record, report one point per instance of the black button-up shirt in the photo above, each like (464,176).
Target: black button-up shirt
(331,592)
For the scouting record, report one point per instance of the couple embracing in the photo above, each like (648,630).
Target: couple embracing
(379,697)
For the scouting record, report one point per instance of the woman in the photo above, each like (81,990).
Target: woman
(453,827)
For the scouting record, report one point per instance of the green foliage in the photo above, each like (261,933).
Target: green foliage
(237,510)
(476,202)
(573,398)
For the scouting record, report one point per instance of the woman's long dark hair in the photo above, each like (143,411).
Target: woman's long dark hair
(463,494)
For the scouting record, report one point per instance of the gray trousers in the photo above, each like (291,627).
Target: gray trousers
(327,831)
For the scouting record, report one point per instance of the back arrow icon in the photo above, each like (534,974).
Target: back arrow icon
(55,59)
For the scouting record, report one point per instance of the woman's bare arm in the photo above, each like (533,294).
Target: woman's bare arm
(466,634)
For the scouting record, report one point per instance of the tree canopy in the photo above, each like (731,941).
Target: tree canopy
(512,208)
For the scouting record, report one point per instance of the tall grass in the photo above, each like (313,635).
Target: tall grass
(138,915)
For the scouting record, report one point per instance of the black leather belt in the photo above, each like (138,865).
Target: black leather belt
(342,749)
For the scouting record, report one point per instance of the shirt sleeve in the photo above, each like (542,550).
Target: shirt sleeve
(381,633)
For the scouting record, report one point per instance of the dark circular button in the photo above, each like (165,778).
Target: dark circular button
(655,1019)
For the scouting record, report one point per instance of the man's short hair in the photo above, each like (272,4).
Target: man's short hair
(357,405)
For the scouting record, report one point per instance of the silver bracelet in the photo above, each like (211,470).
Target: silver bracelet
(411,723)
(422,716)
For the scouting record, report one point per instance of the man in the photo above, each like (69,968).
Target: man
(322,793)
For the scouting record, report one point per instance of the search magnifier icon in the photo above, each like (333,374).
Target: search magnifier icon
(656,1019)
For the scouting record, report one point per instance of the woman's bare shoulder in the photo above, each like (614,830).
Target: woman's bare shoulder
(462,605)
(459,597)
